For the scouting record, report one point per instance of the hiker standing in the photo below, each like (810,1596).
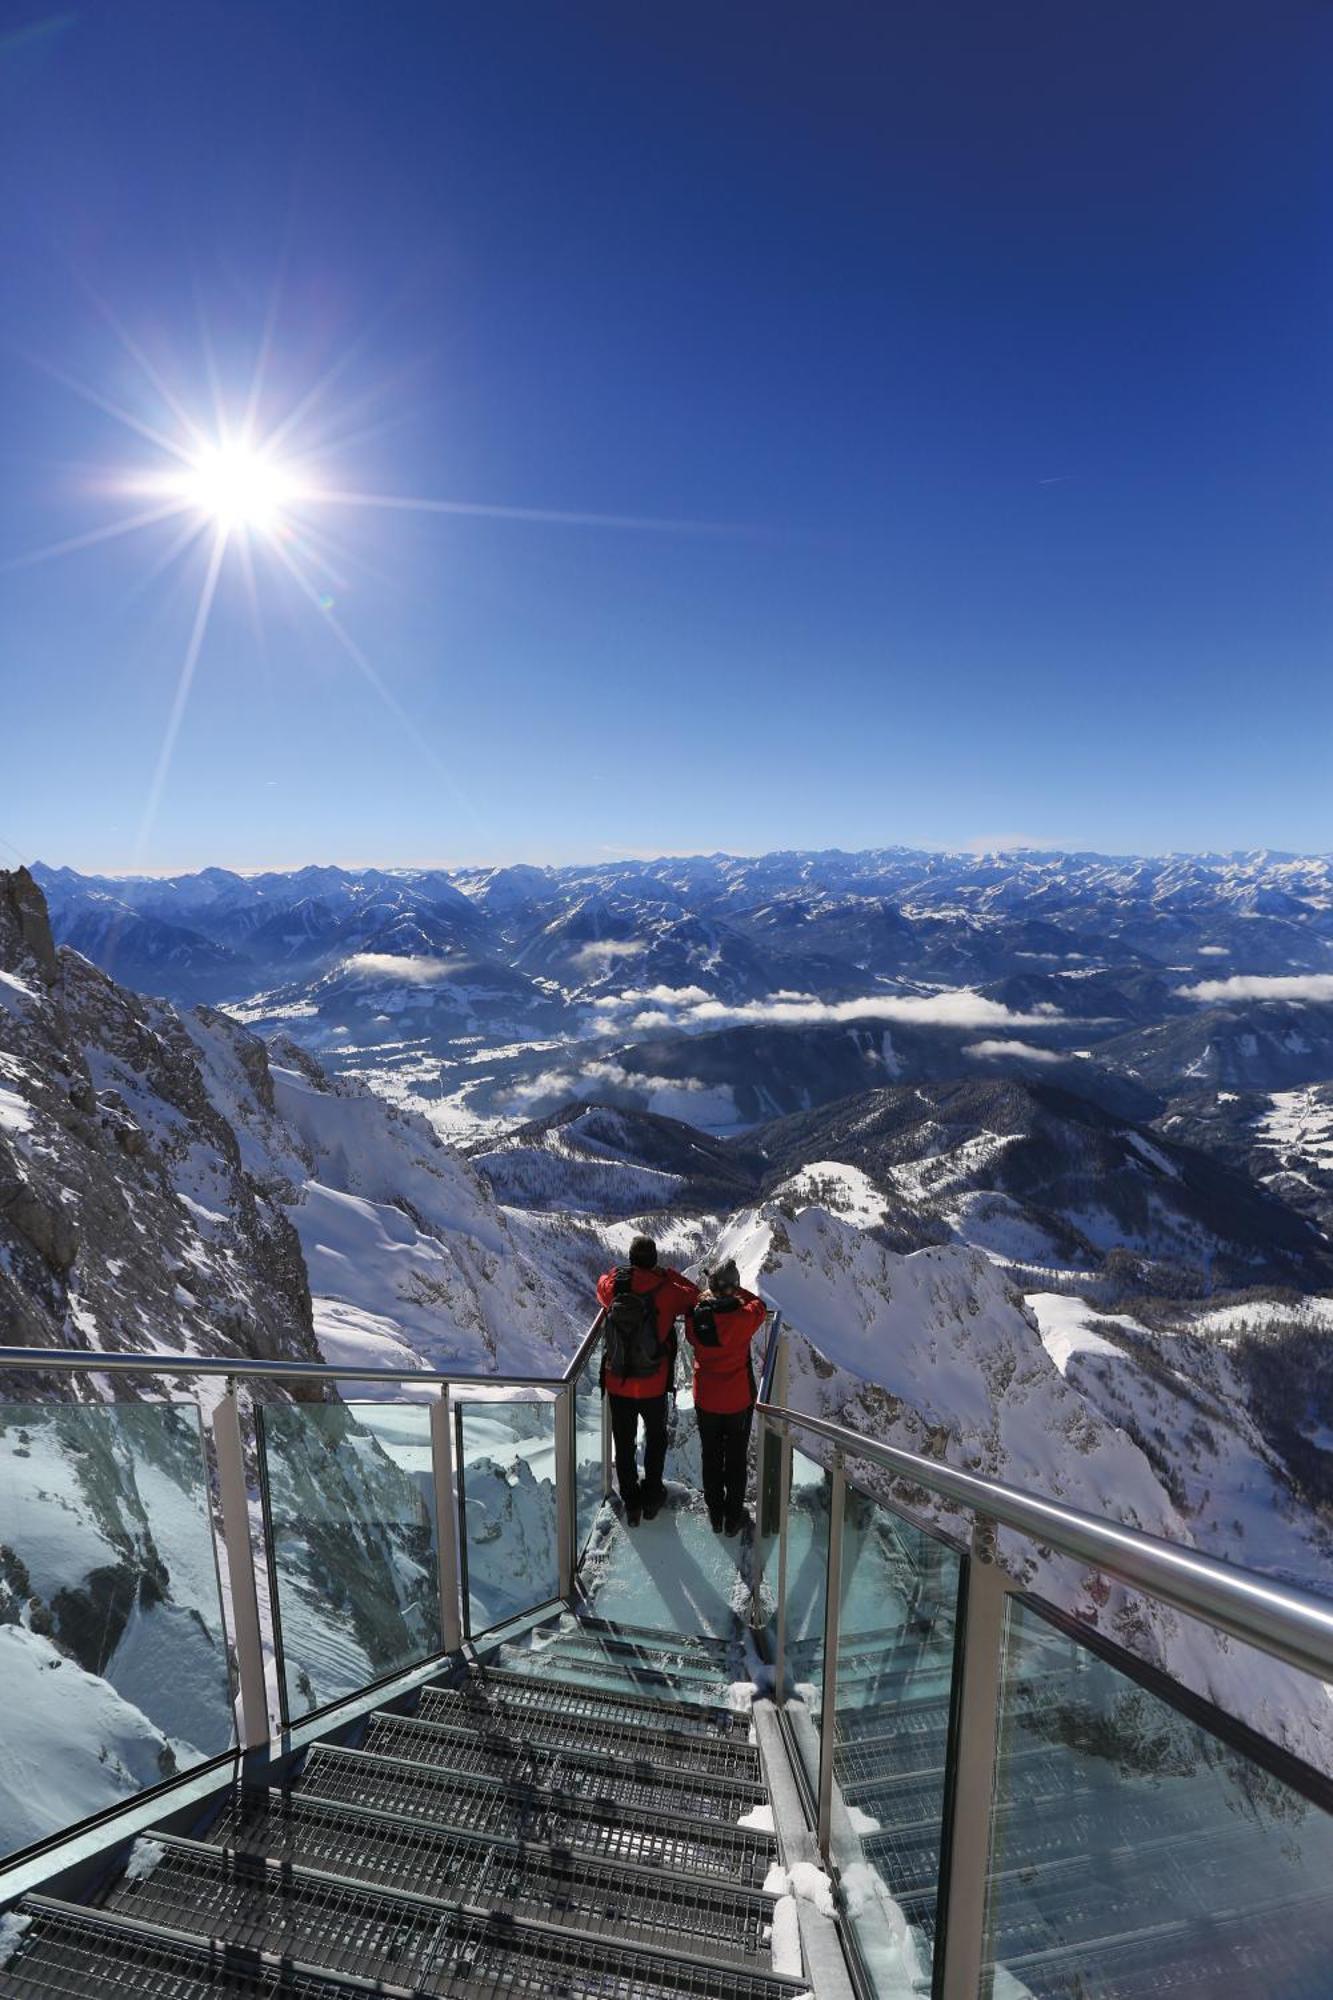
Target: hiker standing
(720,1330)
(642,1300)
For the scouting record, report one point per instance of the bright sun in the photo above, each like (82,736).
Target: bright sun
(237,486)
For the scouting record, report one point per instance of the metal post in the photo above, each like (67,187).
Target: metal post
(235,1501)
(566,1495)
(446,1519)
(832,1627)
(606,1446)
(780,1620)
(767,1475)
(765,1445)
(970,1788)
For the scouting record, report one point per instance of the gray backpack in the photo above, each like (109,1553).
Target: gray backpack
(632,1346)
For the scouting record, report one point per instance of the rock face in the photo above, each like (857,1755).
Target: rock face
(164,1185)
(25,926)
(128,1218)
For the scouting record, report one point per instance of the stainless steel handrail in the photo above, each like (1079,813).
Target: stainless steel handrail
(99,1361)
(1289,1624)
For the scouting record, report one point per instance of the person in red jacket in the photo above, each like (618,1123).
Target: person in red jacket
(644,1395)
(720,1329)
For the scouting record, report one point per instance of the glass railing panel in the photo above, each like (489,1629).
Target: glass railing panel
(351,1514)
(589,1474)
(895,1672)
(1134,1851)
(506,1474)
(113,1655)
(808,1512)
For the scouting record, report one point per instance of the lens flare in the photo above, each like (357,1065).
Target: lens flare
(237,487)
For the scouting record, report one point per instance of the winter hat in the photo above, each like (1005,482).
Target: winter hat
(724,1277)
(643,1253)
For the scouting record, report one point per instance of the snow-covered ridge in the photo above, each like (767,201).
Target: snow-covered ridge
(935,1351)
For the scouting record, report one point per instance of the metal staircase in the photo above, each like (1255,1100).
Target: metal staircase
(481,1739)
(512,1835)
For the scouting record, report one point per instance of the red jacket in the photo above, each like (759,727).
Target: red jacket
(672,1295)
(723,1383)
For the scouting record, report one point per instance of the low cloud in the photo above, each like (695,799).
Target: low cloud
(1262,986)
(710,1106)
(996,1051)
(409,971)
(1214,951)
(605,951)
(690,1010)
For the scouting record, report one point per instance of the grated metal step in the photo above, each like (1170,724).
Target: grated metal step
(68,1953)
(704,1644)
(491,1711)
(654,1673)
(520,1811)
(713,1719)
(428,1948)
(621,1779)
(505,1876)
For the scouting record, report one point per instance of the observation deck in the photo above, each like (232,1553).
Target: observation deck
(321,1697)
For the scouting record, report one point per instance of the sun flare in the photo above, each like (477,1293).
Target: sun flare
(237,486)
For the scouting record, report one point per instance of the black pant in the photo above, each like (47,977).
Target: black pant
(724,1444)
(625,1414)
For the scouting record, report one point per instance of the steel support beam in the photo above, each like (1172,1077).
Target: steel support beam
(832,1628)
(446,1519)
(566,1495)
(780,1616)
(979,1659)
(768,1474)
(247,1631)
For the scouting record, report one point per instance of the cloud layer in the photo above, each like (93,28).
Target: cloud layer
(1262,986)
(991,1051)
(712,1107)
(650,1009)
(409,971)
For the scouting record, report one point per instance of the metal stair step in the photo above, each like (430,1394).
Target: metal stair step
(424,1947)
(650,1838)
(613,1779)
(70,1953)
(713,1719)
(506,1876)
(630,1663)
(490,1710)
(609,1677)
(705,1644)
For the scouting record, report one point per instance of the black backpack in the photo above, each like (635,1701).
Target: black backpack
(632,1346)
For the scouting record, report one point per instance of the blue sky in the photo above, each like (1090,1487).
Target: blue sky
(983,350)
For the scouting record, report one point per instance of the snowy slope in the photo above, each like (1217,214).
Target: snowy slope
(934,1351)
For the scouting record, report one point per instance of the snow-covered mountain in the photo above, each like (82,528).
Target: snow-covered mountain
(166,1181)
(899,1143)
(936,1352)
(726,990)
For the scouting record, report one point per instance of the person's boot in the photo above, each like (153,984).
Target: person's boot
(633,1506)
(715,1521)
(735,1522)
(652,1505)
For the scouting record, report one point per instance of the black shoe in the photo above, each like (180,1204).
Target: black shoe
(715,1523)
(653,1504)
(633,1514)
(734,1524)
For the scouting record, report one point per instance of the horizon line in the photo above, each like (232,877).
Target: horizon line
(970,850)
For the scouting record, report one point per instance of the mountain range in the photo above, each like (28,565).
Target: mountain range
(1036,1153)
